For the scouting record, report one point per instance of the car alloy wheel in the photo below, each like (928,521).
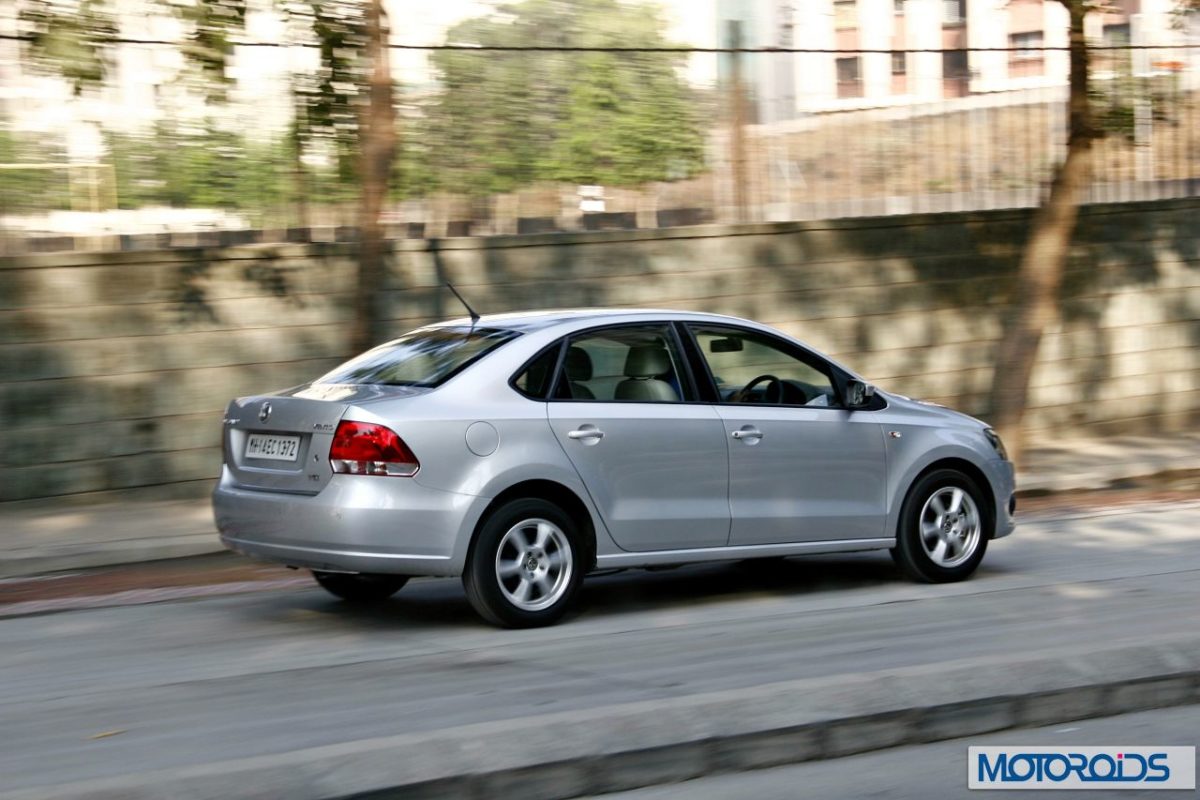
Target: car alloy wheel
(534,564)
(525,564)
(944,528)
(950,527)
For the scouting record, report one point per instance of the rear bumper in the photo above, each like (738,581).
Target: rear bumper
(355,524)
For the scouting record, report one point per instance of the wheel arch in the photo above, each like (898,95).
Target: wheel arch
(970,470)
(552,492)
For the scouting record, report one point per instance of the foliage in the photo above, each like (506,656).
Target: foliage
(31,190)
(75,39)
(326,101)
(213,168)
(72,38)
(208,169)
(209,45)
(506,119)
(1185,14)
(498,121)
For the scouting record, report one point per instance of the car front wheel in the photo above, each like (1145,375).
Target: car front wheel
(360,588)
(944,528)
(525,566)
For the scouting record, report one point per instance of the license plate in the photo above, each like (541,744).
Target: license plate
(272,448)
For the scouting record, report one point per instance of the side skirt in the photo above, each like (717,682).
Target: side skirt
(656,557)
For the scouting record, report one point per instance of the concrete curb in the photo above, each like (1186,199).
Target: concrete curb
(599,750)
(1108,463)
(39,561)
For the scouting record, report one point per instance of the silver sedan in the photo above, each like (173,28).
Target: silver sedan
(522,452)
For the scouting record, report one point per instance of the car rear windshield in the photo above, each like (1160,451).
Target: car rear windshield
(421,358)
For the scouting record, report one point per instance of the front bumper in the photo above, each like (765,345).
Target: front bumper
(1004,484)
(355,524)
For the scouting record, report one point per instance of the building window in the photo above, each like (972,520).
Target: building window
(898,6)
(1117,35)
(848,77)
(954,64)
(845,14)
(1116,60)
(899,62)
(954,12)
(956,74)
(1026,45)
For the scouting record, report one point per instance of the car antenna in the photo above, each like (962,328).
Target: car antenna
(471,311)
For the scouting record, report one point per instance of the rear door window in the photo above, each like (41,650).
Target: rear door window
(626,363)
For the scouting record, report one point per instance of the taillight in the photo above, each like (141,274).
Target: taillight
(364,448)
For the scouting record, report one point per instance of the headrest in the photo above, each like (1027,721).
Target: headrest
(647,361)
(579,364)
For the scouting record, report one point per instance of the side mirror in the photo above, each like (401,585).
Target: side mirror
(858,394)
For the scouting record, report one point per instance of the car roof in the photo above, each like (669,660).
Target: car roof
(539,320)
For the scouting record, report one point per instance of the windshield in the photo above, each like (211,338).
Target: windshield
(421,358)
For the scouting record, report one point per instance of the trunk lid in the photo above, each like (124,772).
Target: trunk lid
(280,442)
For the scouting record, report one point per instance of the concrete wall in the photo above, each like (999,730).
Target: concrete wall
(115,367)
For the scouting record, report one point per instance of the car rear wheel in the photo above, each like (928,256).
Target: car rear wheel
(360,588)
(944,528)
(526,564)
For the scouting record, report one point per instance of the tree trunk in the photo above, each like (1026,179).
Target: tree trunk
(377,140)
(300,178)
(1044,261)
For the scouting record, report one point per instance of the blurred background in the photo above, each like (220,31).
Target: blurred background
(133,116)
(210,199)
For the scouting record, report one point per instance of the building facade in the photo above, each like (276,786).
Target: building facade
(895,52)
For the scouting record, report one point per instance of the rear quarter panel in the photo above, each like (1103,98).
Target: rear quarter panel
(435,427)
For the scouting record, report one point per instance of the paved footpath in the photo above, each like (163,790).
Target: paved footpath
(45,536)
(937,771)
(659,677)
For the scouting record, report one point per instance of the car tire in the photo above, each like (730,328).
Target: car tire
(362,589)
(944,528)
(525,565)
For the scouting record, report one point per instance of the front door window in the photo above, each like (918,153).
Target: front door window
(753,368)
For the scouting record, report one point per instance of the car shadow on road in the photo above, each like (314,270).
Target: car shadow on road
(432,603)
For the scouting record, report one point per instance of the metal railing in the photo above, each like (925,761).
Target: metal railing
(875,145)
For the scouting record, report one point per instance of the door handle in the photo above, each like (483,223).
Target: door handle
(586,433)
(747,433)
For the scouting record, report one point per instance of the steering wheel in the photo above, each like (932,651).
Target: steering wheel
(773,393)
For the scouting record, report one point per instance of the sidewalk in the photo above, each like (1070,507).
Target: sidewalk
(636,744)
(52,537)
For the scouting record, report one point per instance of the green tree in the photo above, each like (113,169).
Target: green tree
(350,99)
(209,168)
(31,190)
(505,119)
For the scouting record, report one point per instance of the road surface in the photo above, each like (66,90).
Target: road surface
(105,691)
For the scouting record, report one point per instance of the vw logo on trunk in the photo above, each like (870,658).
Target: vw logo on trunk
(264,413)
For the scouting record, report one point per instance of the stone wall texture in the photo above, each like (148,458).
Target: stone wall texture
(115,367)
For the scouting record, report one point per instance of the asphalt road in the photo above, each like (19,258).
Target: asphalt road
(102,692)
(936,771)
